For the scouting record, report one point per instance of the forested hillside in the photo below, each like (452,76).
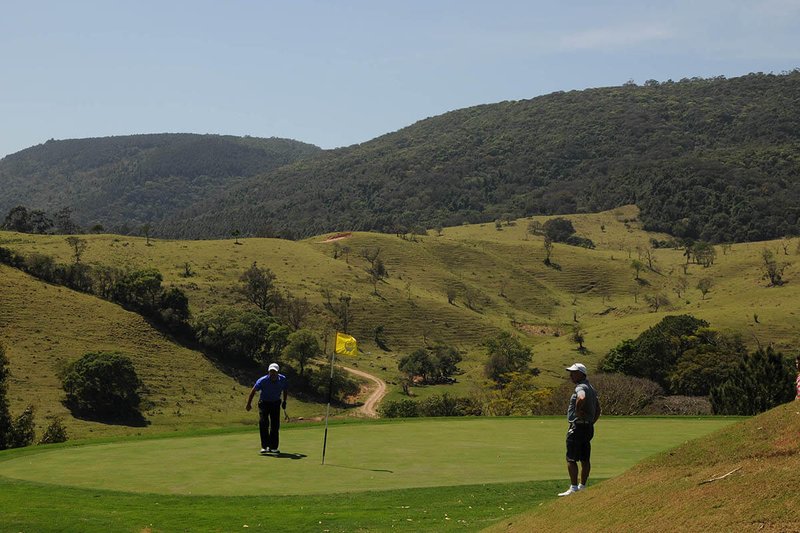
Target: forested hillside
(715,159)
(712,159)
(124,182)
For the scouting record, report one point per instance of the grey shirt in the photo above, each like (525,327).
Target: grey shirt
(590,404)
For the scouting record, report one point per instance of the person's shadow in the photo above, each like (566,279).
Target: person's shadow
(283,455)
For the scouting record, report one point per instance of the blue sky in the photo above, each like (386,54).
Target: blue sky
(335,73)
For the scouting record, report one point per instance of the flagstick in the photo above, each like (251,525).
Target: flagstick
(328,410)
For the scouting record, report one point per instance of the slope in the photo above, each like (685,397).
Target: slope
(44,327)
(125,181)
(716,159)
(740,478)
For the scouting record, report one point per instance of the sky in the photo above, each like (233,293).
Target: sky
(340,72)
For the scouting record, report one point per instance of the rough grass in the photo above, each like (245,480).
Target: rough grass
(761,456)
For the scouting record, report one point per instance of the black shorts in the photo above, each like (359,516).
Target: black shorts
(579,442)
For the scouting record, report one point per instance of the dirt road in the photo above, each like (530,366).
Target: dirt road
(370,407)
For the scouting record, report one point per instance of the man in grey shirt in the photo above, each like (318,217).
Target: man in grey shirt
(583,412)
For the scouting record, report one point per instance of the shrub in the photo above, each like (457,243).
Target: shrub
(619,395)
(102,384)
(679,405)
(760,382)
(399,409)
(55,432)
(23,429)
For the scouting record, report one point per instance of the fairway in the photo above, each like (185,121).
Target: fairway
(361,456)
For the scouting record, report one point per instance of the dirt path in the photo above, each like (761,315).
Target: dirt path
(371,403)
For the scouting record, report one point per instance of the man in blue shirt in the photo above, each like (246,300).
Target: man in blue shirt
(582,413)
(269,407)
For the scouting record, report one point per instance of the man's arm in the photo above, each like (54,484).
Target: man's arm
(580,399)
(285,393)
(596,411)
(250,399)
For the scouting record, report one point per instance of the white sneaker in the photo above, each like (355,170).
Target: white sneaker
(581,486)
(276,450)
(571,490)
(263,450)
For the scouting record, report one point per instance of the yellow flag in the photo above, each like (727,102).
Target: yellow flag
(345,344)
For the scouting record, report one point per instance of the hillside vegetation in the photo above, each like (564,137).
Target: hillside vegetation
(498,279)
(752,465)
(126,181)
(716,159)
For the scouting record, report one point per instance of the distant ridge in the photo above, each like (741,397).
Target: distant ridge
(126,181)
(713,159)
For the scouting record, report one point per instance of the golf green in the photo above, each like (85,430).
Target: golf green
(360,456)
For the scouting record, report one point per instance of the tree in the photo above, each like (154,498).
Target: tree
(340,309)
(64,223)
(578,337)
(681,284)
(446,359)
(5,411)
(140,289)
(78,246)
(506,354)
(656,301)
(240,335)
(145,230)
(18,219)
(708,361)
(301,346)
(558,229)
(54,432)
(704,286)
(102,384)
(637,267)
(772,269)
(655,351)
(23,429)
(760,382)
(377,272)
(294,310)
(535,227)
(418,363)
(703,253)
(548,249)
(235,234)
(258,287)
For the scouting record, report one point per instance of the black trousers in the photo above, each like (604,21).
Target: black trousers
(269,423)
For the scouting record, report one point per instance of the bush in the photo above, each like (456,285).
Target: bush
(760,382)
(679,405)
(318,382)
(23,429)
(399,409)
(55,432)
(102,384)
(619,395)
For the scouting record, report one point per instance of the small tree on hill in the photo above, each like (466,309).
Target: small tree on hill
(55,432)
(102,384)
(772,269)
(506,354)
(548,250)
(258,286)
(418,363)
(78,246)
(302,346)
(704,286)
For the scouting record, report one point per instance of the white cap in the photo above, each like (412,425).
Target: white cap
(274,366)
(579,367)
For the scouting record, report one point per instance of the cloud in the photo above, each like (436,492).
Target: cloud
(608,38)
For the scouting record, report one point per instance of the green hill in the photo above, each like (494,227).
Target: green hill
(498,279)
(713,159)
(741,478)
(126,181)
(716,159)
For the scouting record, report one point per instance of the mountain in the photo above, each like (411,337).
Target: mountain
(123,182)
(714,159)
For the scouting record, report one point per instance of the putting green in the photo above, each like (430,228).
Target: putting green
(360,456)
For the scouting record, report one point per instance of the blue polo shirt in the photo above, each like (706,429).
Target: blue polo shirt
(271,390)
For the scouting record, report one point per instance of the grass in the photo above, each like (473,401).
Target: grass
(503,270)
(413,475)
(759,494)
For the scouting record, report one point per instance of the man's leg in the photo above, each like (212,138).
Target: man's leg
(586,466)
(572,468)
(263,424)
(274,424)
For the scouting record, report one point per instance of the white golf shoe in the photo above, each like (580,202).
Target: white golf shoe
(571,490)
